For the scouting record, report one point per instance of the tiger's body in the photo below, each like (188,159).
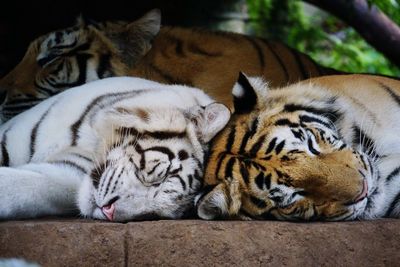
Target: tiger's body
(327,148)
(123,149)
(200,58)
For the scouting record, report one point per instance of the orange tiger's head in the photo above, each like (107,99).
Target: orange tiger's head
(74,56)
(275,160)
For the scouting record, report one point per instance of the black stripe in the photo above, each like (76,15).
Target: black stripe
(4,152)
(46,91)
(154,168)
(271,145)
(243,144)
(286,122)
(179,48)
(267,181)
(183,183)
(310,119)
(116,181)
(81,157)
(195,49)
(231,139)
(97,104)
(395,97)
(82,66)
(221,158)
(259,51)
(66,46)
(104,66)
(279,147)
(278,58)
(35,131)
(69,163)
(105,187)
(392,206)
(298,134)
(79,48)
(311,148)
(131,131)
(247,135)
(256,147)
(260,181)
(190,177)
(96,174)
(244,172)
(168,77)
(229,167)
(258,202)
(330,114)
(393,174)
(22,103)
(58,35)
(164,150)
(300,64)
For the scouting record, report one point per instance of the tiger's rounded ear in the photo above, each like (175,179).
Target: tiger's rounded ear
(211,203)
(208,120)
(219,201)
(247,93)
(149,24)
(135,39)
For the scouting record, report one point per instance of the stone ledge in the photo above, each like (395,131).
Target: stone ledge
(69,242)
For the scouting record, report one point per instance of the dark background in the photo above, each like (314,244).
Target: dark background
(23,21)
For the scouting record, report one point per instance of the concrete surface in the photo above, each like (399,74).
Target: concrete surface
(79,242)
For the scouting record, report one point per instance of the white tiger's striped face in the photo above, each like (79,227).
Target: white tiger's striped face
(153,170)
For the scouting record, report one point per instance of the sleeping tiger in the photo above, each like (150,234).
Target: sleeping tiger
(203,59)
(327,148)
(125,149)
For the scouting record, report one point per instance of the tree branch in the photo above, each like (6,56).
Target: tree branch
(373,25)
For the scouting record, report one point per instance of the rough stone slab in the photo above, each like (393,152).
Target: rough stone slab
(202,243)
(64,242)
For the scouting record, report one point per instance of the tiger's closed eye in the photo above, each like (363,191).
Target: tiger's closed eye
(48,59)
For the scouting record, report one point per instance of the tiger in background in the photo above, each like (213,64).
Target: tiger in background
(327,148)
(194,57)
(125,149)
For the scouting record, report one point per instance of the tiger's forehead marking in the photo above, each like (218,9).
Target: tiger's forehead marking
(59,39)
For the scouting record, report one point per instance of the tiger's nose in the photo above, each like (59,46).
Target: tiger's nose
(108,211)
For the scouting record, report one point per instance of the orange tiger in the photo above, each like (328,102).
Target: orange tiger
(209,60)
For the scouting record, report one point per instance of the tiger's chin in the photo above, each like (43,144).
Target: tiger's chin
(362,209)
(128,208)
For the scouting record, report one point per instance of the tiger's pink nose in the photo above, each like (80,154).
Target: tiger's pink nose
(108,210)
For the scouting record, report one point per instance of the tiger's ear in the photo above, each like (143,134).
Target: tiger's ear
(219,201)
(208,120)
(134,40)
(82,22)
(247,93)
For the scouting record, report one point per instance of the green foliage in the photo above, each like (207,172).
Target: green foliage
(326,39)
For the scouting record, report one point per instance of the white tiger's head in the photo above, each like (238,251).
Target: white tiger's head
(153,165)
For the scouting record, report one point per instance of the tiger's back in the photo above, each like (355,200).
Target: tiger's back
(212,60)
(204,59)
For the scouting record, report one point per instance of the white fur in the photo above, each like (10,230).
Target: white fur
(41,184)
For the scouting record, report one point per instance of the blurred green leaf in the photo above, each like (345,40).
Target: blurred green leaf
(326,39)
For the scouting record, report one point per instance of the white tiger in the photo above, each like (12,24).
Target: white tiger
(117,149)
